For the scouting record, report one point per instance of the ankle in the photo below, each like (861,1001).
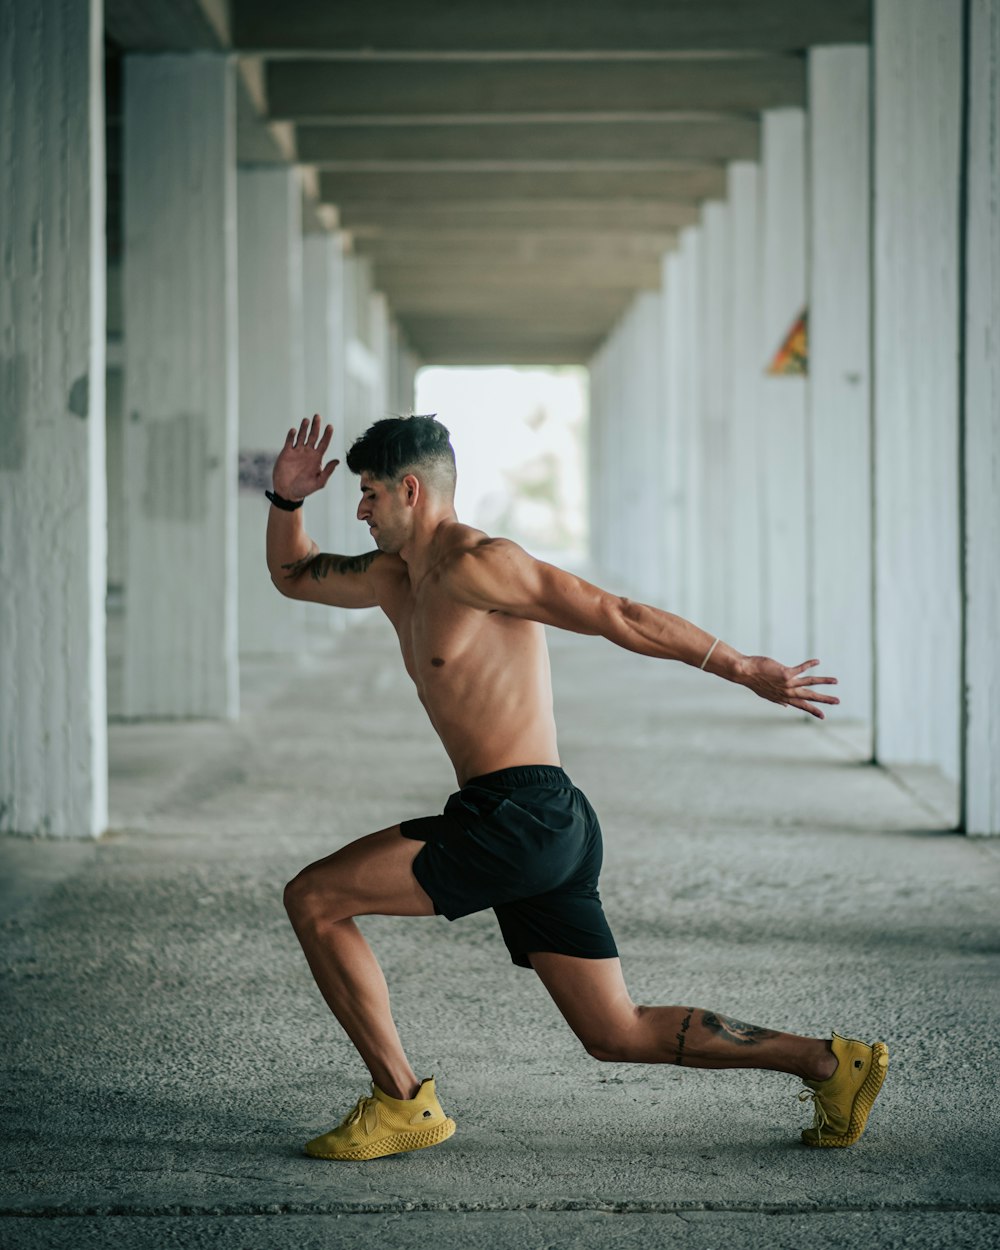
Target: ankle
(403,1090)
(822,1063)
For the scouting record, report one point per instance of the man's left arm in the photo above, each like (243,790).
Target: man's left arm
(499,575)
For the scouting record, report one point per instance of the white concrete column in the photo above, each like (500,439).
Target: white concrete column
(272,396)
(672,442)
(181,378)
(600,467)
(689,349)
(917,108)
(744,628)
(323,296)
(981,779)
(635,344)
(782,412)
(53,732)
(714,420)
(839,418)
(363,385)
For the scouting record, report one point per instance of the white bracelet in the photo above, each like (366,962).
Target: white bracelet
(709,655)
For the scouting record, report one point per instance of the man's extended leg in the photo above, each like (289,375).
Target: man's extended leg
(844,1075)
(372,876)
(593,997)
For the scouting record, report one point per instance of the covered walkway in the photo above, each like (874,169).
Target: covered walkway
(168,1052)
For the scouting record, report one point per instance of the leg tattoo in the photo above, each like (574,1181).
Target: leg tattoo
(735,1031)
(685,1025)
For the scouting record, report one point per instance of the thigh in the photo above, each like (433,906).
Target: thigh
(591,994)
(373,874)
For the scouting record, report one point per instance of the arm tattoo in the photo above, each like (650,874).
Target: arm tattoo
(320,564)
(736,1031)
(685,1025)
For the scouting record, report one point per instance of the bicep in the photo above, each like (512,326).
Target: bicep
(338,581)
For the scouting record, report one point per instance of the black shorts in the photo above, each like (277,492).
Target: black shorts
(525,842)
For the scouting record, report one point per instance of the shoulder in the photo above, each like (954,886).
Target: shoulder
(488,573)
(473,551)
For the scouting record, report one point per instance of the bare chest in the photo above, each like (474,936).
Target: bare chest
(436,634)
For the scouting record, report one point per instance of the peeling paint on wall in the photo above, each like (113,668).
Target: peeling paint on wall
(13,411)
(79,397)
(176,475)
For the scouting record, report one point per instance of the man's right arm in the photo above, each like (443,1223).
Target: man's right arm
(301,571)
(297,566)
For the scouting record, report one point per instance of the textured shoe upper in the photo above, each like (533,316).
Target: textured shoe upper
(833,1099)
(377,1115)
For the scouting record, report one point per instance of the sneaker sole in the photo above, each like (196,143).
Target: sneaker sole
(394,1144)
(863,1101)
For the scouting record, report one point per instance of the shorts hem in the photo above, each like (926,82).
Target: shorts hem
(522,960)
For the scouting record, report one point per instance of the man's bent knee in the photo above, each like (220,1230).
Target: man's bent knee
(310,904)
(612,1042)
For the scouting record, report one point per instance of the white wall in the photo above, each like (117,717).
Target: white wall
(714,420)
(781,422)
(324,393)
(53,734)
(917,107)
(982,427)
(687,359)
(744,383)
(181,378)
(272,370)
(839,416)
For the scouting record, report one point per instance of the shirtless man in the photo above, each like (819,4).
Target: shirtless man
(517,836)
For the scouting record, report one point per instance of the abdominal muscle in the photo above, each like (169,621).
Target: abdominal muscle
(490,701)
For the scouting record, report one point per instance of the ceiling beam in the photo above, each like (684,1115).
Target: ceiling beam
(180,26)
(689,185)
(374,219)
(422,93)
(527,26)
(500,248)
(355,147)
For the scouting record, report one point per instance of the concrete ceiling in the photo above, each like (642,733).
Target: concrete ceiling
(514,168)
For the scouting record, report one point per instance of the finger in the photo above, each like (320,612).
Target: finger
(817,681)
(324,477)
(324,442)
(303,429)
(290,437)
(803,693)
(314,430)
(806,707)
(801,668)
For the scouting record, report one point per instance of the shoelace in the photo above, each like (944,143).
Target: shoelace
(820,1118)
(354,1115)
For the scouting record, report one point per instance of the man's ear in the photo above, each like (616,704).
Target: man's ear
(412,489)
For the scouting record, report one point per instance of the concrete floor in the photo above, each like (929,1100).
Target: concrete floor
(167,1053)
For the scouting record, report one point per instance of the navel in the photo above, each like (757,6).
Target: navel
(437,662)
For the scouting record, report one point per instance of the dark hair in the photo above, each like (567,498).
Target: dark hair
(389,447)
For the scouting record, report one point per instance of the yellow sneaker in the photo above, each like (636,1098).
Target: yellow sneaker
(380,1125)
(843,1101)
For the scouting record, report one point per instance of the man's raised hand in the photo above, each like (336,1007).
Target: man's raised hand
(299,470)
(787,686)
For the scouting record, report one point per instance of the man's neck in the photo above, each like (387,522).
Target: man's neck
(424,548)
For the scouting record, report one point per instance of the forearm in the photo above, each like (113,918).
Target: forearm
(665,636)
(288,544)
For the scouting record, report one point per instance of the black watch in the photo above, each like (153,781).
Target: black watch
(286,505)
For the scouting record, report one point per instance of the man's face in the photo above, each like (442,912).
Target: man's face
(382,509)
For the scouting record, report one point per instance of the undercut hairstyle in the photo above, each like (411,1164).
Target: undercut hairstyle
(391,448)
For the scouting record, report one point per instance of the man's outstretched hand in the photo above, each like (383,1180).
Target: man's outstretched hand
(787,686)
(299,470)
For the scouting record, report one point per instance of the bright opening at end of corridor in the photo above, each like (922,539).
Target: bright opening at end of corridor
(520,439)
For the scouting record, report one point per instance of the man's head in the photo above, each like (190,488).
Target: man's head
(403,463)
